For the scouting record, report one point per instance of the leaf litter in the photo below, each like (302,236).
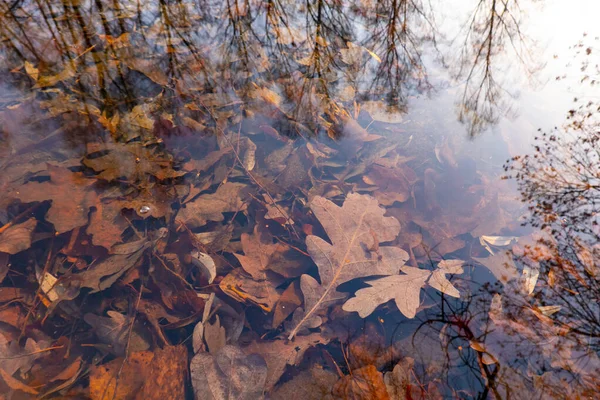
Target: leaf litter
(245,232)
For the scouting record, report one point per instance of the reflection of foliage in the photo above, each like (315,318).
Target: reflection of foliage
(493,27)
(561,182)
(400,28)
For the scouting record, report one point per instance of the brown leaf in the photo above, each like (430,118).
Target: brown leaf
(132,161)
(16,384)
(364,383)
(68,372)
(400,382)
(71,195)
(228,374)
(17,237)
(259,249)
(280,353)
(349,256)
(107,224)
(120,378)
(167,376)
(290,300)
(115,330)
(315,384)
(394,184)
(210,207)
(243,288)
(103,274)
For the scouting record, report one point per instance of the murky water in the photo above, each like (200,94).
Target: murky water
(363,200)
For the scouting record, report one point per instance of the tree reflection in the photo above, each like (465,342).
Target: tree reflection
(547,343)
(492,30)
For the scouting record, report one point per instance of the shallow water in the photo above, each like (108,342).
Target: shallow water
(373,199)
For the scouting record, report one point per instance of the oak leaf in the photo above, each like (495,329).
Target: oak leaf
(404,289)
(355,230)
(132,161)
(71,195)
(210,207)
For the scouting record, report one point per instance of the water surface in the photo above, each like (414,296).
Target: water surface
(173,171)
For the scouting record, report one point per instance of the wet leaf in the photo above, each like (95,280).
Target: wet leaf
(487,241)
(206,264)
(17,237)
(71,195)
(438,278)
(382,112)
(364,383)
(280,353)
(115,330)
(16,384)
(259,250)
(107,224)
(501,265)
(210,207)
(104,274)
(143,375)
(393,184)
(227,375)
(131,161)
(356,229)
(245,289)
(404,289)
(400,382)
(315,384)
(290,300)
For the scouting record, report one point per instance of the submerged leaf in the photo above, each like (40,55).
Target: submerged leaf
(355,230)
(17,237)
(228,374)
(71,195)
(404,289)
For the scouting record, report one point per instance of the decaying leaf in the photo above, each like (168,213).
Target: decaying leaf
(71,195)
(259,249)
(132,161)
(115,330)
(206,264)
(243,288)
(143,375)
(400,382)
(315,384)
(228,374)
(356,229)
(501,265)
(280,353)
(210,207)
(363,383)
(102,275)
(18,237)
